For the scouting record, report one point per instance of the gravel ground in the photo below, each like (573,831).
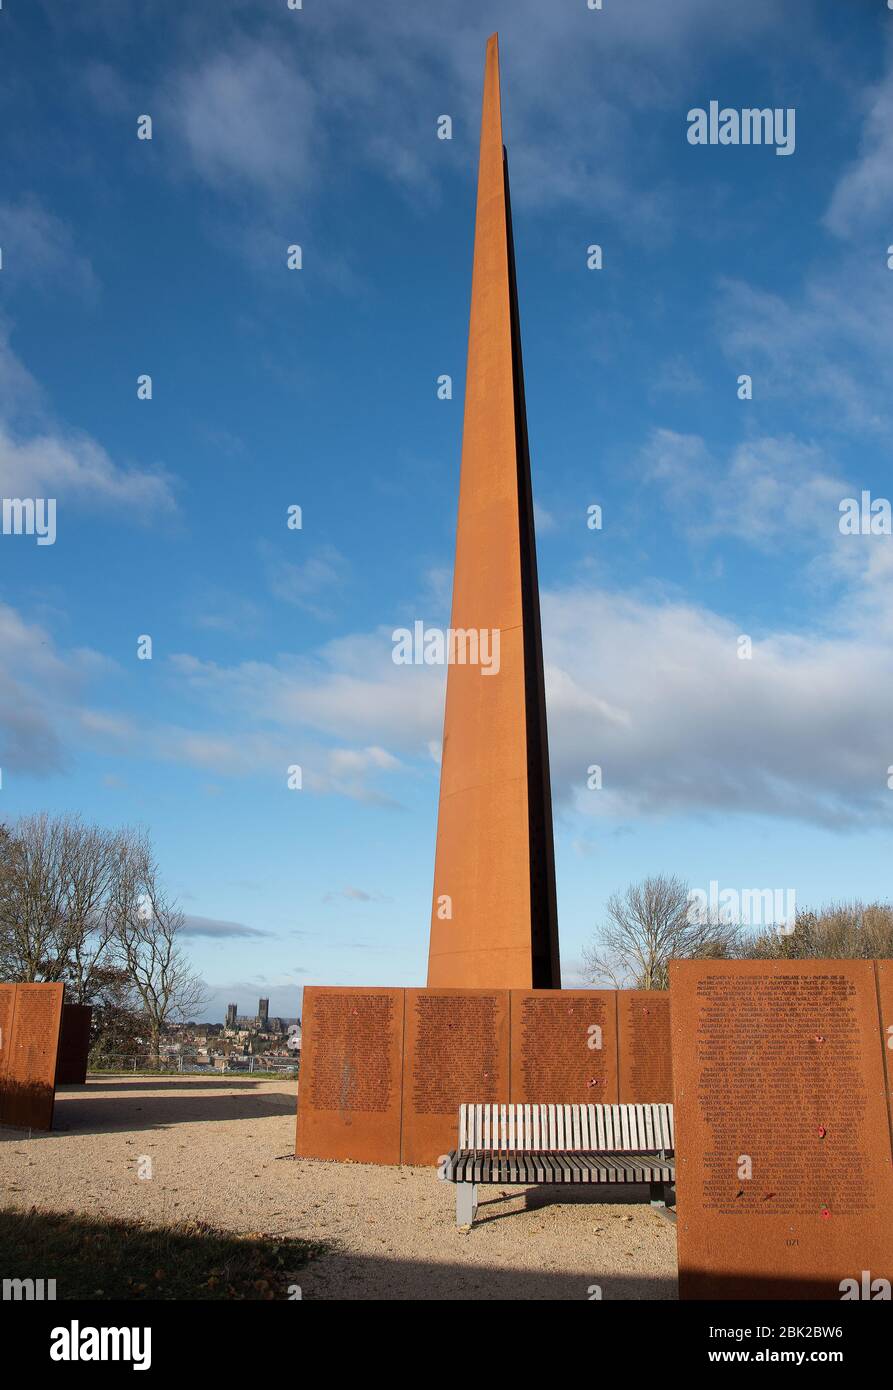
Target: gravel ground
(221,1152)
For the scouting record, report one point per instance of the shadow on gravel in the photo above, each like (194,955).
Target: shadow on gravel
(97,1259)
(158,1102)
(352,1276)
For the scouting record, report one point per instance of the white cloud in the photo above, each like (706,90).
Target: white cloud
(41,691)
(216,609)
(770,491)
(309,583)
(801,731)
(653,692)
(826,348)
(247,116)
(105,87)
(255,112)
(41,458)
(543,520)
(75,466)
(863,197)
(350,689)
(781,496)
(676,377)
(361,759)
(20,394)
(39,249)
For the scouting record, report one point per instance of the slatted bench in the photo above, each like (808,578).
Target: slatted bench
(526,1144)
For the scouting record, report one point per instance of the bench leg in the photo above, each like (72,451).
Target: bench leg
(466,1203)
(657,1194)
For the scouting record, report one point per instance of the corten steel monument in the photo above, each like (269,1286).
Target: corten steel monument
(494,921)
(384,1070)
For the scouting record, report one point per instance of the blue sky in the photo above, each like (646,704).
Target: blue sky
(317,387)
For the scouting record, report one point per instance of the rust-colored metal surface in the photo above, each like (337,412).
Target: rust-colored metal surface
(494,919)
(564,1046)
(384,1071)
(74,1045)
(350,1078)
(884,970)
(457,1049)
(646,1064)
(29,1090)
(783,1156)
(7,1012)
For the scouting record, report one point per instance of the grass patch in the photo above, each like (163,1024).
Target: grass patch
(99,1259)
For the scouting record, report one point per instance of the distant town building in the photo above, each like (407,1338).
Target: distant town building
(260,1023)
(218,1045)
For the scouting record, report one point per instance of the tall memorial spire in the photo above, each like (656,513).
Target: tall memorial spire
(494,918)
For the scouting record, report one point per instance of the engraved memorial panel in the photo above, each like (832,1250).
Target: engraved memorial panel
(349,1085)
(457,1050)
(885,994)
(7,1010)
(783,1161)
(564,1046)
(646,1065)
(29,1091)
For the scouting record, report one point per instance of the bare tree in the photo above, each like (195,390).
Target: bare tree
(93,863)
(32,906)
(84,905)
(7,888)
(147,933)
(56,880)
(650,924)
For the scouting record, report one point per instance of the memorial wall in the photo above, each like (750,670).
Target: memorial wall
(564,1047)
(351,1074)
(30,1020)
(457,1047)
(885,998)
(643,1046)
(7,1013)
(384,1071)
(784,1166)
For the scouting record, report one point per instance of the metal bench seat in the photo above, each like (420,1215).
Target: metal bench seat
(556,1167)
(525,1144)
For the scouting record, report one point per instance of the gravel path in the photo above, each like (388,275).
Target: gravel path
(221,1151)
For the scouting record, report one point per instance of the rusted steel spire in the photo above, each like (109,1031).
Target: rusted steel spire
(494,920)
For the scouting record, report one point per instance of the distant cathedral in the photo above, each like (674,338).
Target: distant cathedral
(261,1023)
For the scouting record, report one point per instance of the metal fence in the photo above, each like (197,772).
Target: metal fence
(145,1062)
